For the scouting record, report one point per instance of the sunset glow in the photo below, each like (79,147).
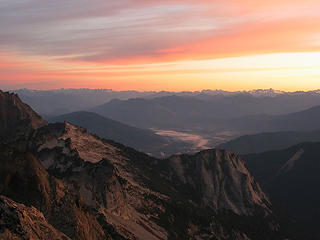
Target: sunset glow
(160,45)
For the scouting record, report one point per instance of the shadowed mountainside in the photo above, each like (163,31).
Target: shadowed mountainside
(291,178)
(306,120)
(238,115)
(263,142)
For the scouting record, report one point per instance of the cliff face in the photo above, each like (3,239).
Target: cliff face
(218,179)
(16,117)
(92,188)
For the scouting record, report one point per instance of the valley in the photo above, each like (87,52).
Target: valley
(198,142)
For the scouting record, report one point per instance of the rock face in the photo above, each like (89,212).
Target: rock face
(16,117)
(24,179)
(20,222)
(221,180)
(92,188)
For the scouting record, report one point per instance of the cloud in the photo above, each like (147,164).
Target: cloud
(43,38)
(103,31)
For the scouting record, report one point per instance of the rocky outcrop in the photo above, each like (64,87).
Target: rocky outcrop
(17,118)
(20,222)
(24,179)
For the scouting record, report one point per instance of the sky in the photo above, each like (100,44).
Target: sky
(171,45)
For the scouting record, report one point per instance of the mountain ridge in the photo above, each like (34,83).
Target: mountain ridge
(57,102)
(141,139)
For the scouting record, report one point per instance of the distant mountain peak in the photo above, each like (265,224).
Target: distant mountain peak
(266,92)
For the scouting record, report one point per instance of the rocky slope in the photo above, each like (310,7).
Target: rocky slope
(20,222)
(25,180)
(92,188)
(17,118)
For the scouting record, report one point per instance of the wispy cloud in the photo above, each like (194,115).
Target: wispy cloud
(61,34)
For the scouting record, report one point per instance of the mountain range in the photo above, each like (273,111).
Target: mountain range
(222,104)
(68,183)
(214,117)
(305,120)
(237,112)
(183,112)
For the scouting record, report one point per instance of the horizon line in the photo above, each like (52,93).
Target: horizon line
(155,91)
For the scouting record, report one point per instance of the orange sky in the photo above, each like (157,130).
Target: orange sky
(160,45)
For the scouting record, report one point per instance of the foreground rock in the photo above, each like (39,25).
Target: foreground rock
(20,222)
